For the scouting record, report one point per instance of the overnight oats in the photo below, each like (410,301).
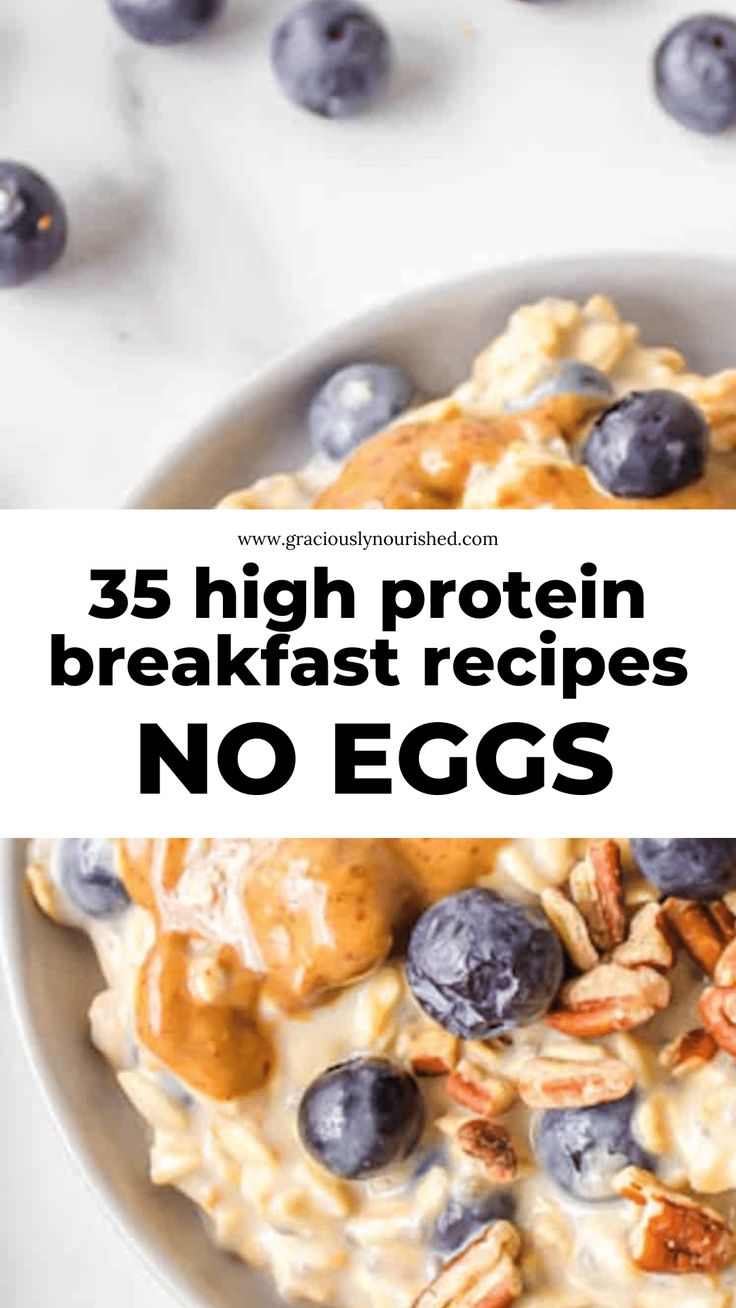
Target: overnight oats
(566,409)
(429,1073)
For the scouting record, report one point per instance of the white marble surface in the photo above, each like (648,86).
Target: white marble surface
(212,226)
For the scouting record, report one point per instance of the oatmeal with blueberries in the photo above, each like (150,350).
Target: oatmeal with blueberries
(429,1073)
(567,409)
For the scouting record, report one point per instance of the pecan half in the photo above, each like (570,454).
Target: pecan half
(571,927)
(483,1093)
(434,1052)
(698,930)
(491,1144)
(610,998)
(724,972)
(574,1083)
(718,1011)
(688,1052)
(483,1275)
(595,885)
(649,942)
(675,1234)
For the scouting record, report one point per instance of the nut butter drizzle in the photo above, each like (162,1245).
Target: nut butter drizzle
(208,1034)
(198,888)
(289,920)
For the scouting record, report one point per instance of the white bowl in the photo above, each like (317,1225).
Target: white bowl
(682,301)
(53,975)
(434,334)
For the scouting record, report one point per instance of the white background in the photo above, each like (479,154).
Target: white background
(212,225)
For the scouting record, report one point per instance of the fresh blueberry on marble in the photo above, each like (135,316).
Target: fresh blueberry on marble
(695,73)
(33,224)
(332,57)
(361,1116)
(584,1148)
(356,402)
(688,868)
(481,965)
(649,444)
(88,876)
(463,1219)
(570,377)
(166,22)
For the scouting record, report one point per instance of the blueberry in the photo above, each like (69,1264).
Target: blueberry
(332,57)
(570,377)
(360,1116)
(649,444)
(695,73)
(165,22)
(462,1220)
(480,965)
(89,878)
(356,402)
(584,1148)
(33,226)
(692,869)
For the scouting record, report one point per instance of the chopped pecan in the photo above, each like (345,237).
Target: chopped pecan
(595,885)
(689,1052)
(649,942)
(698,930)
(610,998)
(483,1275)
(484,1093)
(724,972)
(572,1082)
(675,1234)
(491,1143)
(571,927)
(434,1052)
(724,917)
(718,1011)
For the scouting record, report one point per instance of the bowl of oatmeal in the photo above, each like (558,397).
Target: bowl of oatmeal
(509,379)
(409,1073)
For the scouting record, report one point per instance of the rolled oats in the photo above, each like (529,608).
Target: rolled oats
(173,1157)
(152,1102)
(376,1011)
(653,1123)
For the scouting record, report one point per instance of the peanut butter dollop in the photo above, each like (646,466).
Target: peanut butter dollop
(428,465)
(216,1048)
(292,920)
